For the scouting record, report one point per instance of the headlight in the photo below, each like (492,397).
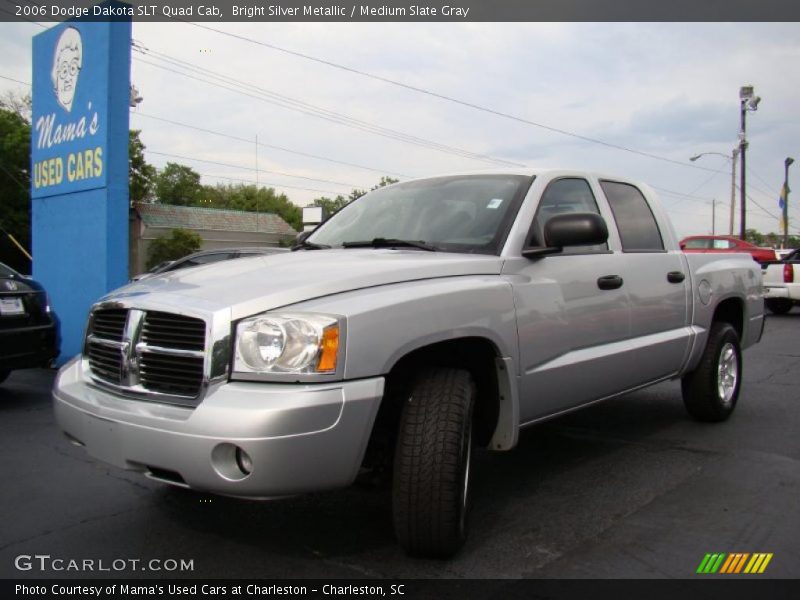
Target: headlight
(287,343)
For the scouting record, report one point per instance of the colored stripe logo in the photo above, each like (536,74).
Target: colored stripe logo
(733,563)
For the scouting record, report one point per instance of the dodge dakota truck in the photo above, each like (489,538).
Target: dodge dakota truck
(423,320)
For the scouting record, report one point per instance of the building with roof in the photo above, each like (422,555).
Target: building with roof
(218,228)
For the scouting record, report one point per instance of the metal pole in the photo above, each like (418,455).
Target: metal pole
(714,217)
(786,164)
(742,197)
(257,215)
(734,156)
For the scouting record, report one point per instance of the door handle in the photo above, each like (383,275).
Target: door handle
(610,282)
(675,276)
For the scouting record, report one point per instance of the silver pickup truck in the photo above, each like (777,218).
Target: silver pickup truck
(423,320)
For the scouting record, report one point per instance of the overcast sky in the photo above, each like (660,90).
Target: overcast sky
(664,89)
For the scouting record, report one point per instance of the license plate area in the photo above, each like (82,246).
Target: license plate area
(12,307)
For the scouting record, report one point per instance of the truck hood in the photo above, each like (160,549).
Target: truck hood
(251,285)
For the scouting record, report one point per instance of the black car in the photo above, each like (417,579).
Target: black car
(204,257)
(29,329)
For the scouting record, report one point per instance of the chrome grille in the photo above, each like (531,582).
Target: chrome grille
(173,331)
(156,354)
(105,362)
(109,324)
(180,375)
(106,359)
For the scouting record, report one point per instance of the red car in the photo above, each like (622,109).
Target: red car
(726,243)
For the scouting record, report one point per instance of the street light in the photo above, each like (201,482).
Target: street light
(748,103)
(786,164)
(731,158)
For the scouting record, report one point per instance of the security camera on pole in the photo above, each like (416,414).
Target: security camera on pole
(748,102)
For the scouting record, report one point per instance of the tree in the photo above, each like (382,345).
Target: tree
(252,199)
(178,184)
(178,244)
(385,180)
(142,175)
(15,199)
(330,206)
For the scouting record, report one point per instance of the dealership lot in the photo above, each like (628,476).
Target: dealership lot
(628,488)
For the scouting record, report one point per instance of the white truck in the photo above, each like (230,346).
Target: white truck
(782,283)
(423,319)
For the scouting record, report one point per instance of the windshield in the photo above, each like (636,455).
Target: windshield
(456,214)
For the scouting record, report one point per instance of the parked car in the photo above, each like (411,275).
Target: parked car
(782,283)
(726,244)
(422,320)
(205,257)
(29,329)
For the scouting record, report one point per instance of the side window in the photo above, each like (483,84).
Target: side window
(723,244)
(564,196)
(635,221)
(700,243)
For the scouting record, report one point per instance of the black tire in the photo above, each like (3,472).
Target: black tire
(778,306)
(706,396)
(430,492)
(4,375)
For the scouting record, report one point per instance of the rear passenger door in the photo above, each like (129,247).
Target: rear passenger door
(657,282)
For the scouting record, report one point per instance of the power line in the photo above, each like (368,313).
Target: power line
(222,164)
(451,98)
(15,80)
(280,185)
(290,103)
(272,146)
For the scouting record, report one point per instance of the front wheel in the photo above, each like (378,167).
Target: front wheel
(710,391)
(430,494)
(778,306)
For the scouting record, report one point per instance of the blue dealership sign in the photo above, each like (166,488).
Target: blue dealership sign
(70,113)
(79,167)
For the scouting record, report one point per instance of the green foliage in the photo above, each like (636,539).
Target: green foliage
(773,240)
(178,244)
(15,201)
(179,185)
(252,199)
(142,175)
(332,205)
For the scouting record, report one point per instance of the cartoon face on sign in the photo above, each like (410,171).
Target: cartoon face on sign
(67,62)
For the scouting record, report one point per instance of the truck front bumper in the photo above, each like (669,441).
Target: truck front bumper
(298,437)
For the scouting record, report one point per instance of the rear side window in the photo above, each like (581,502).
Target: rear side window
(723,244)
(635,221)
(697,244)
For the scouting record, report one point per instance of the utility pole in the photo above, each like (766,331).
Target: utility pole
(714,217)
(748,102)
(734,155)
(786,165)
(257,213)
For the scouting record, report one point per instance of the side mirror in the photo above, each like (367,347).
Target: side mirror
(571,229)
(301,237)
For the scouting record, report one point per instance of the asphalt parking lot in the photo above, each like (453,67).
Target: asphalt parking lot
(629,488)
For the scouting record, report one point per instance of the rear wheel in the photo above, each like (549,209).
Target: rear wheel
(430,495)
(710,391)
(778,306)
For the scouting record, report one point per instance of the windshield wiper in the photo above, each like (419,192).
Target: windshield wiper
(390,243)
(306,245)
